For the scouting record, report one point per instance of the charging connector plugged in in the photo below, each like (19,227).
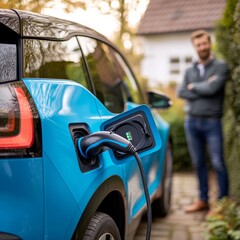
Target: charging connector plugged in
(95,143)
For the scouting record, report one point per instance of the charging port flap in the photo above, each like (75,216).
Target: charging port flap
(137,126)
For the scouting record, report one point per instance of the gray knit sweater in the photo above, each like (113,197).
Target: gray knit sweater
(205,99)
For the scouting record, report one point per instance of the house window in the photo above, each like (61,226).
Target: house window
(177,65)
(188,59)
(174,65)
(174,60)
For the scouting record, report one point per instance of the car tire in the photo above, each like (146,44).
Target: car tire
(102,227)
(161,205)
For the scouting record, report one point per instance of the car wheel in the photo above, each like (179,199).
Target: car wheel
(162,204)
(102,227)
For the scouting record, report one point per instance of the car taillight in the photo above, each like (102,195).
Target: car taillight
(19,123)
(25,134)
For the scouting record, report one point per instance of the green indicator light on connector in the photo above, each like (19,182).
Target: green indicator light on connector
(129,136)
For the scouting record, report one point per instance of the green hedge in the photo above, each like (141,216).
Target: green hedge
(228,46)
(181,156)
(175,117)
(224,221)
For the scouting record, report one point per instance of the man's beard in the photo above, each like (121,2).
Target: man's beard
(204,55)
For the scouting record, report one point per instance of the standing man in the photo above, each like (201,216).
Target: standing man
(203,90)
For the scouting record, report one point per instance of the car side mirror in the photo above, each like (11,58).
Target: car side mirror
(157,99)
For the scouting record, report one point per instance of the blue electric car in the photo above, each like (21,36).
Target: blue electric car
(59,82)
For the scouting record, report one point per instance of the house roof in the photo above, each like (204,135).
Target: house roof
(167,16)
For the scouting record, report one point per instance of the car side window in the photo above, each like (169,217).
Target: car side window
(132,92)
(112,79)
(54,59)
(104,73)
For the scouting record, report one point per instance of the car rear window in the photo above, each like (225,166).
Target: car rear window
(8,62)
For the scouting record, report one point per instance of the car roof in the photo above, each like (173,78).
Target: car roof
(33,25)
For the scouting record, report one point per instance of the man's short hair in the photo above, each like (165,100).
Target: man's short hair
(200,33)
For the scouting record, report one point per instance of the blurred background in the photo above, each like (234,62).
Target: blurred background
(154,35)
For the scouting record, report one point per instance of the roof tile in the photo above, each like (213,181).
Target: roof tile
(164,16)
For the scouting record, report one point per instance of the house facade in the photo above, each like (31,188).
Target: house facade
(164,33)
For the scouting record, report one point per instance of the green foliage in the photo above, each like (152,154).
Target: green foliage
(38,6)
(121,10)
(228,46)
(232,153)
(224,221)
(181,156)
(175,117)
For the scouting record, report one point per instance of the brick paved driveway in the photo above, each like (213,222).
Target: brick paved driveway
(178,225)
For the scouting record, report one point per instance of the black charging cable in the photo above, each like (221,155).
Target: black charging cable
(95,143)
(149,207)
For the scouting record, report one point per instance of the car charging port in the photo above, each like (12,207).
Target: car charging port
(78,131)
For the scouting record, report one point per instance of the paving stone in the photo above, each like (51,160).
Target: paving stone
(180,235)
(178,225)
(184,201)
(196,229)
(159,238)
(160,234)
(138,237)
(161,227)
(197,236)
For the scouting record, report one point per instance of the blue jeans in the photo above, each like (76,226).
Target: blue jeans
(202,132)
